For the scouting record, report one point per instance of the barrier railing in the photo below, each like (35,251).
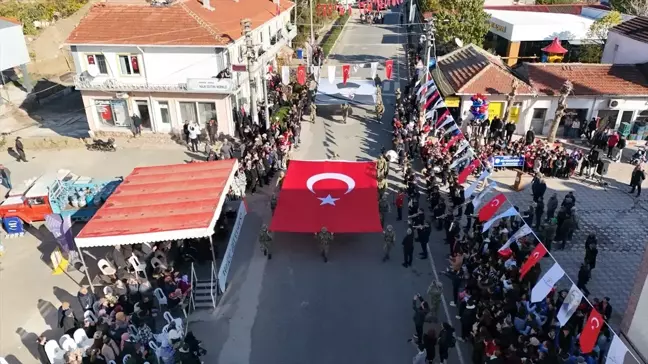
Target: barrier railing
(213,282)
(192,296)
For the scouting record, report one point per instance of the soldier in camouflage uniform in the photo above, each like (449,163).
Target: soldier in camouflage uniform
(324,237)
(265,238)
(388,244)
(273,203)
(434,292)
(380,110)
(346,109)
(381,167)
(313,112)
(383,208)
(382,187)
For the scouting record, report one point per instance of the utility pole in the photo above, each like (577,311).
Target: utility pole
(246,24)
(312,31)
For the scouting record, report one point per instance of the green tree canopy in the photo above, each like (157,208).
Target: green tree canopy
(632,7)
(463,19)
(592,50)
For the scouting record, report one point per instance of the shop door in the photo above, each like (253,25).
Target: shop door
(608,117)
(495,110)
(144,114)
(537,120)
(164,116)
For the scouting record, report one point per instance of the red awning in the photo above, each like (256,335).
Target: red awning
(180,201)
(555,47)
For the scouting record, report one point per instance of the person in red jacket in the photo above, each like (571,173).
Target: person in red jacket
(612,142)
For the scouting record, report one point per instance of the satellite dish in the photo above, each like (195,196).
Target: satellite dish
(93,70)
(459,42)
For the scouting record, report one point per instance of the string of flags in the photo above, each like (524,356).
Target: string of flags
(437,113)
(347,71)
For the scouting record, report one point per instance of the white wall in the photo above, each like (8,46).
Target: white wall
(13,50)
(638,331)
(629,51)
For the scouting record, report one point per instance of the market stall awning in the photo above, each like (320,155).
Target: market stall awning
(180,201)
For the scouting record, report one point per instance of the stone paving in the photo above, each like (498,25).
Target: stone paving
(619,220)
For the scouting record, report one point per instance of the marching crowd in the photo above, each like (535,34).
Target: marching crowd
(491,298)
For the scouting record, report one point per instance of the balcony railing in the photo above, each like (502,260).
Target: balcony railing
(114,85)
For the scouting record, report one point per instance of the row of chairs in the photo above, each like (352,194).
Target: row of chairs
(107,269)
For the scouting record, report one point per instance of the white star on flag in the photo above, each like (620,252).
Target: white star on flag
(328,200)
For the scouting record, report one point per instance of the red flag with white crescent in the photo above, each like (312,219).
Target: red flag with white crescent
(590,333)
(389,66)
(301,74)
(463,176)
(346,71)
(538,253)
(491,207)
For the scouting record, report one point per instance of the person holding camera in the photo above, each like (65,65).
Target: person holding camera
(421,310)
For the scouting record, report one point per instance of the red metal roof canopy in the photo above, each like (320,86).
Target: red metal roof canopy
(555,47)
(159,203)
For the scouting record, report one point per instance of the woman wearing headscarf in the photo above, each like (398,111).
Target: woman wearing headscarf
(110,350)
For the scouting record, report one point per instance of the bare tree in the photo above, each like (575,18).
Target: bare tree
(510,98)
(565,90)
(638,7)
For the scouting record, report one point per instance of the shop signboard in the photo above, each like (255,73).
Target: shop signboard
(231,246)
(508,161)
(13,225)
(452,101)
(210,85)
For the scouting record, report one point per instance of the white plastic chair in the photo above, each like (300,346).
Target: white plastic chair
(155,262)
(67,343)
(126,357)
(161,298)
(139,267)
(106,268)
(112,362)
(3,360)
(54,352)
(133,332)
(156,349)
(81,339)
(177,321)
(89,315)
(107,290)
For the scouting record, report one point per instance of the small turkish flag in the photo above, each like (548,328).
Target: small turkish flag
(491,207)
(590,333)
(301,74)
(463,176)
(538,253)
(346,70)
(389,66)
(451,142)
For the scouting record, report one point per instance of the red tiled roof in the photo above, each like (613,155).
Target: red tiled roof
(173,24)
(471,70)
(574,9)
(10,20)
(588,79)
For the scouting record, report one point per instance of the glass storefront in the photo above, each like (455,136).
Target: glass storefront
(197,111)
(113,112)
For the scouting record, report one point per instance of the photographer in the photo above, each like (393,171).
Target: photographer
(421,309)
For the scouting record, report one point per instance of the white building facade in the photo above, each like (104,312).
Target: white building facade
(164,86)
(627,43)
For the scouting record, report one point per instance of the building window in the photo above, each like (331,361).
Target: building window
(197,111)
(98,60)
(642,116)
(129,65)
(539,114)
(164,112)
(113,112)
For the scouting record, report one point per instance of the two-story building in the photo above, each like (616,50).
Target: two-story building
(170,62)
(627,43)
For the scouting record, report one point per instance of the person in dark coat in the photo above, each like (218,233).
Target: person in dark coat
(446,341)
(212,130)
(429,343)
(591,251)
(5,176)
(20,149)
(529,138)
(539,211)
(42,354)
(638,176)
(86,299)
(468,318)
(408,248)
(421,309)
(538,188)
(70,323)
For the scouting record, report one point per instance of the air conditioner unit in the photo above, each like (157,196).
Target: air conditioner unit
(614,103)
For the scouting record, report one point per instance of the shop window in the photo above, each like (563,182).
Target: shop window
(626,116)
(98,60)
(112,112)
(539,114)
(197,111)
(164,112)
(642,116)
(129,65)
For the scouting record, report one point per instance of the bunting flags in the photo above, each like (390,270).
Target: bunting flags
(448,119)
(616,352)
(457,162)
(429,100)
(462,146)
(446,114)
(331,74)
(346,71)
(285,75)
(301,74)
(477,201)
(389,66)
(533,259)
(374,69)
(469,191)
(546,283)
(463,176)
(522,232)
(508,213)
(591,330)
(450,143)
(570,305)
(489,210)
(451,130)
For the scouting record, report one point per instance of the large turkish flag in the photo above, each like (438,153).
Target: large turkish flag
(339,195)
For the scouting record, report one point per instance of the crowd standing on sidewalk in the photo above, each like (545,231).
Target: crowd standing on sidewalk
(489,295)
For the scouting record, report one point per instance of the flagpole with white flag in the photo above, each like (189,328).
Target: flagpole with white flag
(546,283)
(508,213)
(469,191)
(522,232)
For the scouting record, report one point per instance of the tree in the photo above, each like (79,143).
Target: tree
(632,7)
(510,98)
(463,19)
(592,50)
(565,90)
